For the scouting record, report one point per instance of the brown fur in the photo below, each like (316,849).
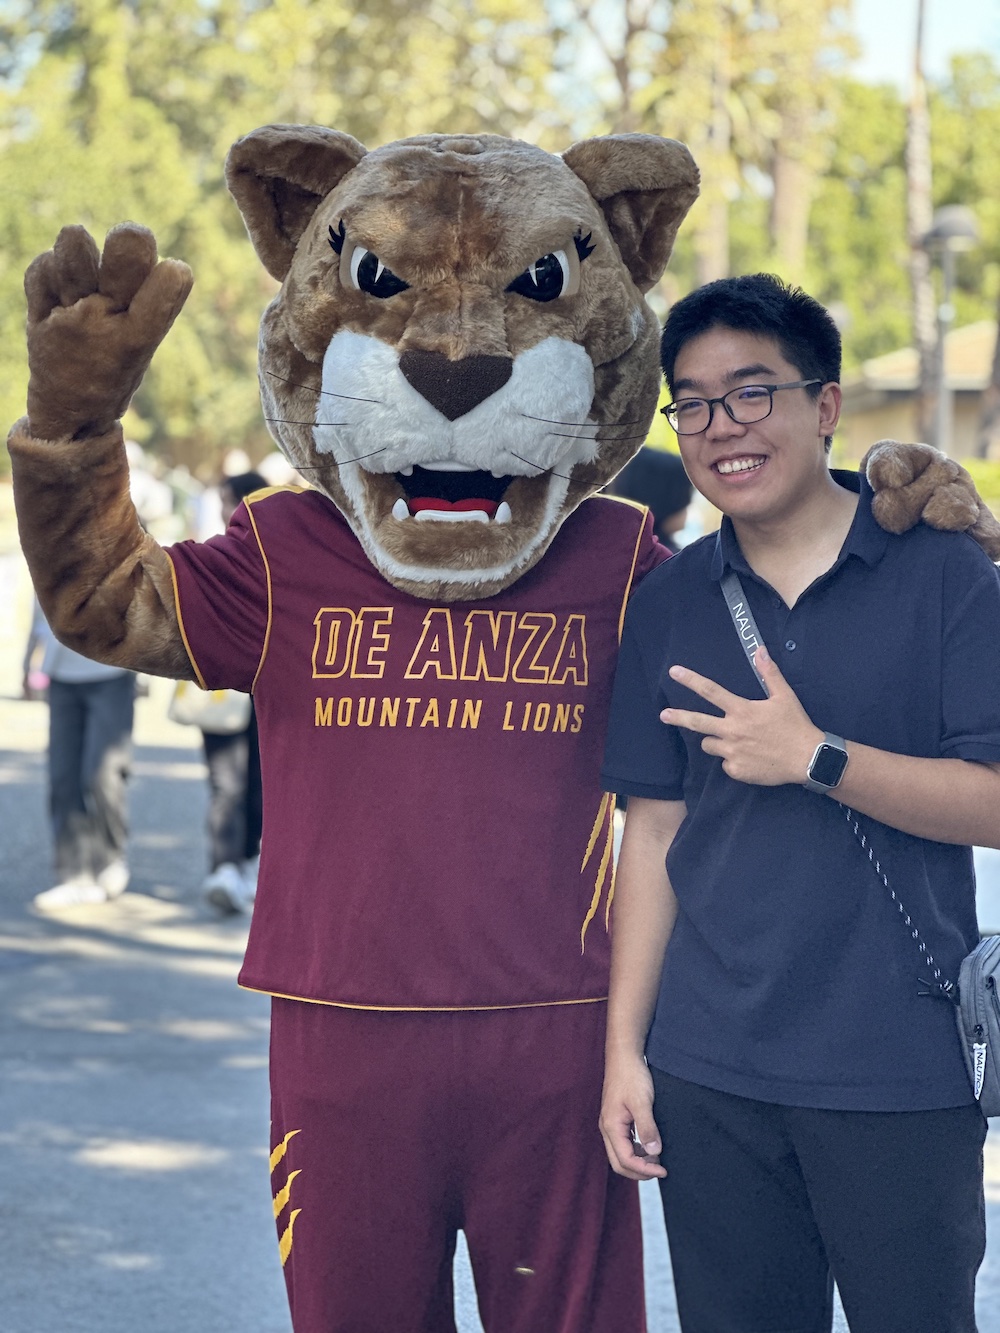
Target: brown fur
(103,582)
(914,482)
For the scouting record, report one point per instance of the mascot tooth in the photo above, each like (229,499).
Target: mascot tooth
(459,358)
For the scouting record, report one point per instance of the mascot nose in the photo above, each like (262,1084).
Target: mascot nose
(455,387)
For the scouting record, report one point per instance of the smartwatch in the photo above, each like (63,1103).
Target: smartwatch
(827,766)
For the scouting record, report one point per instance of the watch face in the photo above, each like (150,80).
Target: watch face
(828,766)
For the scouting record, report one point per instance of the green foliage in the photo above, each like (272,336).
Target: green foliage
(858,247)
(111,112)
(985,472)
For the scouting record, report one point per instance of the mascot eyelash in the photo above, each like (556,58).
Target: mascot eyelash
(582,243)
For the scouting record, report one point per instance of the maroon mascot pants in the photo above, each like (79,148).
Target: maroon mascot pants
(391,1131)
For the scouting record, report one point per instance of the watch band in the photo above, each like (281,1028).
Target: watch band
(829,742)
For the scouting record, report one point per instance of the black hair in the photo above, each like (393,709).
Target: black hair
(243,484)
(657,479)
(758,303)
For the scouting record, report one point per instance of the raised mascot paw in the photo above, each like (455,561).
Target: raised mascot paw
(94,322)
(913,482)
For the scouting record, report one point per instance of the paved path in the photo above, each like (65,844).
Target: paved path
(133,1081)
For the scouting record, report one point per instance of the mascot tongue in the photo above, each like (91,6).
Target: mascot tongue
(455,506)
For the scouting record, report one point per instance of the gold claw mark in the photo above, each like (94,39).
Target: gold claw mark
(609,900)
(281,1148)
(606,808)
(525,1272)
(595,832)
(285,1244)
(281,1198)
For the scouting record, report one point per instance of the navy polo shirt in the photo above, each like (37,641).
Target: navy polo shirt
(789,976)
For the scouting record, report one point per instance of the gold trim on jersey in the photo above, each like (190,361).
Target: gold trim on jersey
(180,624)
(255,496)
(631,573)
(421,1008)
(260,495)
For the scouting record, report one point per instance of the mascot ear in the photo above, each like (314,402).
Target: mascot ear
(645,186)
(278,175)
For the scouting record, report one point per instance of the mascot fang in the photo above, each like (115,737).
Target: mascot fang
(459,358)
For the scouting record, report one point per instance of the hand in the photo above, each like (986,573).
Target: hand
(627,1105)
(914,482)
(766,742)
(94,322)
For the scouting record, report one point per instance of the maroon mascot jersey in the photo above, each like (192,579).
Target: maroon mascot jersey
(435,835)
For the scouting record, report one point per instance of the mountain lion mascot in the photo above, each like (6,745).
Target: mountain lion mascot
(459,358)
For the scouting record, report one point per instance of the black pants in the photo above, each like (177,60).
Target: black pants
(234,803)
(766,1205)
(90,750)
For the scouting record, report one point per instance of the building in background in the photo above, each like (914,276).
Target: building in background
(880,397)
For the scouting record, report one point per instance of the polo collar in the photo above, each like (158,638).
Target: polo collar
(865,539)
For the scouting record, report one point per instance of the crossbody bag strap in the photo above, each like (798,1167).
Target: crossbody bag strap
(749,635)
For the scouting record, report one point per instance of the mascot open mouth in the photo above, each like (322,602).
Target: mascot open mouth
(449,492)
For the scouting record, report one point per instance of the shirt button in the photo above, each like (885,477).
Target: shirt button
(790,645)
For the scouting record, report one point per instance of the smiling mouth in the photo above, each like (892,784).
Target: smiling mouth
(726,467)
(433,494)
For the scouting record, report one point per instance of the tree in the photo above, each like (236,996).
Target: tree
(111,111)
(919,214)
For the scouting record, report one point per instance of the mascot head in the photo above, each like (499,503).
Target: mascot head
(460,351)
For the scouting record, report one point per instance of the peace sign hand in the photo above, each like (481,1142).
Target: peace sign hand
(765,742)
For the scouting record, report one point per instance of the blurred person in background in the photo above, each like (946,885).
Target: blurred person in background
(90,751)
(235,812)
(657,479)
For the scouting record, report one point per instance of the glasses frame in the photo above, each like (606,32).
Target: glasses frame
(772,389)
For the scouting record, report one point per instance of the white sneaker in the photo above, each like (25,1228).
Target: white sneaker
(226,890)
(74,892)
(113,879)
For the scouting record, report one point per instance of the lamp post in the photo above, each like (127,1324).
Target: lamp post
(953,229)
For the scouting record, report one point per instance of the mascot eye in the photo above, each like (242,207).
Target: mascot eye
(370,275)
(545,279)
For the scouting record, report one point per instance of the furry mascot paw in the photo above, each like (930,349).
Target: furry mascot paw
(914,482)
(94,322)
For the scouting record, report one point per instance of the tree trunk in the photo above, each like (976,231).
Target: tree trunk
(988,440)
(920,211)
(793,182)
(711,239)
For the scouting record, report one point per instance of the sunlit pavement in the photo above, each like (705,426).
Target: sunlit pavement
(133,1082)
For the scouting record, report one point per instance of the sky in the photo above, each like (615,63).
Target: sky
(887,29)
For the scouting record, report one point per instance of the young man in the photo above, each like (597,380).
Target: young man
(805,1107)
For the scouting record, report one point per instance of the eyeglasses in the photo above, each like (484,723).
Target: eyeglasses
(751,402)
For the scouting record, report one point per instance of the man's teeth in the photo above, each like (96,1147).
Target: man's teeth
(738,465)
(401,510)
